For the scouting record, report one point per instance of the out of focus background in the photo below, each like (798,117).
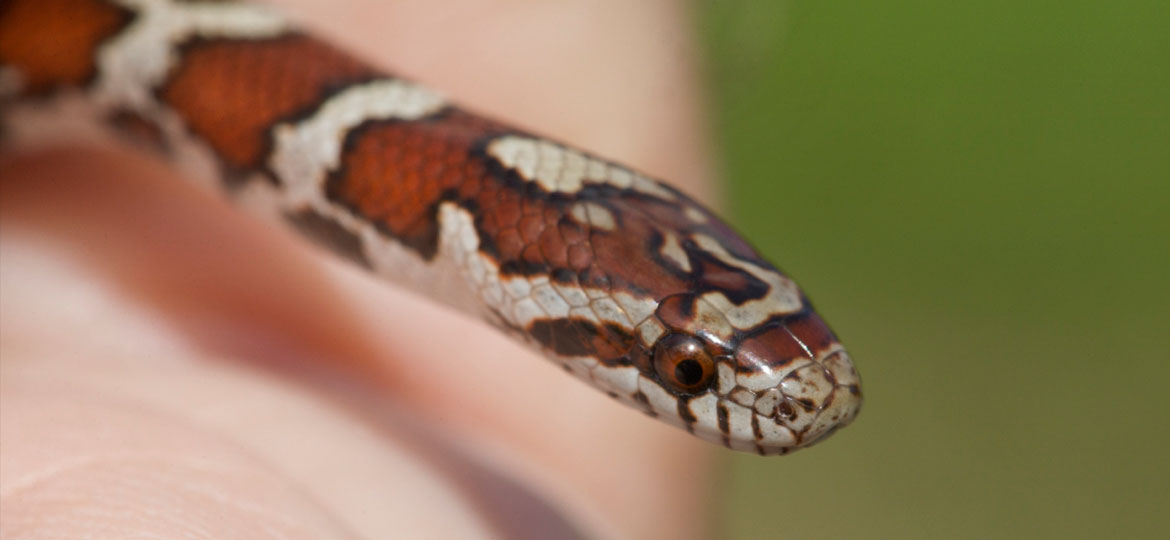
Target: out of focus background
(977,197)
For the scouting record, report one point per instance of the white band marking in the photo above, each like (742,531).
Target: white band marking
(561,169)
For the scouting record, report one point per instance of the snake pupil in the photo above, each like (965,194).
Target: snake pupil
(688,372)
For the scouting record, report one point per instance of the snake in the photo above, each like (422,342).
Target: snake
(624,281)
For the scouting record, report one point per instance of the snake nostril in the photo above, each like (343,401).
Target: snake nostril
(785,410)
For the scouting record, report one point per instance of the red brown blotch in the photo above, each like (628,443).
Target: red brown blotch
(620,342)
(468,190)
(501,210)
(812,330)
(608,343)
(723,278)
(573,234)
(665,212)
(501,217)
(54,43)
(509,244)
(770,349)
(553,247)
(626,261)
(676,311)
(532,256)
(580,257)
(386,167)
(669,215)
(531,226)
(531,206)
(230,92)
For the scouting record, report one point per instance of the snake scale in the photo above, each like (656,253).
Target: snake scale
(621,279)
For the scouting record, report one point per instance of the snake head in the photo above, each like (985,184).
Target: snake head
(641,291)
(783,384)
(721,343)
(734,352)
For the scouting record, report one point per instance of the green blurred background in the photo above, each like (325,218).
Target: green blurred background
(976,195)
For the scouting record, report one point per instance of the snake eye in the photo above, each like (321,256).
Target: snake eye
(683,364)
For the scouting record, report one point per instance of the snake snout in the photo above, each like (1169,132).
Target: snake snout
(820,397)
(809,404)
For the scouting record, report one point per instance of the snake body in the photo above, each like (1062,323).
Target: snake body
(621,279)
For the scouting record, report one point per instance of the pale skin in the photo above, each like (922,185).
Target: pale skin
(173,368)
